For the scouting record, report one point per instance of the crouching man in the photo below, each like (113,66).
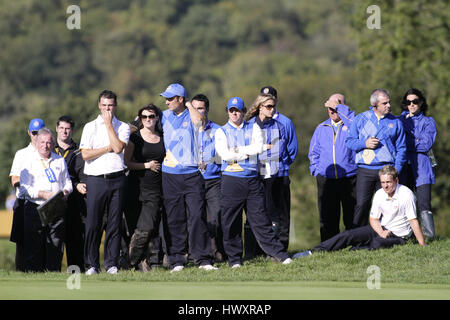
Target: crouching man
(393,219)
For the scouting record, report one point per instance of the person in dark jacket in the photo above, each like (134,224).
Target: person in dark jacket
(418,173)
(334,167)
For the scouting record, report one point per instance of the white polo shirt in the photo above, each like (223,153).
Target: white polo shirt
(394,213)
(34,179)
(19,158)
(95,136)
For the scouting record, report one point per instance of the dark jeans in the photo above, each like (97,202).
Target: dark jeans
(367,182)
(104,194)
(331,194)
(145,242)
(184,198)
(360,237)
(238,193)
(43,247)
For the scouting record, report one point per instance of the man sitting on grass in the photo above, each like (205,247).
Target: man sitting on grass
(392,219)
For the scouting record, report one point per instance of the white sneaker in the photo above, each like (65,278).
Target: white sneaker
(112,270)
(287,261)
(91,271)
(208,267)
(177,269)
(236,265)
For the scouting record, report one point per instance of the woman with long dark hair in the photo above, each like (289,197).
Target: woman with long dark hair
(143,156)
(418,173)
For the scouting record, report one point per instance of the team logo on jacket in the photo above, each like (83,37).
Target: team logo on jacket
(391,125)
(344,128)
(185,124)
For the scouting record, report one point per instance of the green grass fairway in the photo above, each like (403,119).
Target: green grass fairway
(92,289)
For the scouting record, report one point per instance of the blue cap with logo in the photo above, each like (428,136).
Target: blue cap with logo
(174,90)
(235,102)
(36,124)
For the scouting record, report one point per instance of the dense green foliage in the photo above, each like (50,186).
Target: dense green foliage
(306,49)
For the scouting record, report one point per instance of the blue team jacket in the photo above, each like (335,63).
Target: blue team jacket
(328,154)
(291,144)
(389,130)
(207,151)
(420,136)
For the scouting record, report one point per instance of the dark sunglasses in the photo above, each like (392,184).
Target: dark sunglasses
(415,101)
(150,116)
(34,133)
(270,106)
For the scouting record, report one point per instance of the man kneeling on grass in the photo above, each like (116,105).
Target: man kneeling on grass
(392,219)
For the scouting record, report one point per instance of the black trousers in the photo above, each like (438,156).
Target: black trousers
(103,195)
(361,237)
(367,182)
(277,195)
(74,239)
(184,198)
(331,194)
(17,233)
(212,200)
(43,246)
(238,193)
(278,202)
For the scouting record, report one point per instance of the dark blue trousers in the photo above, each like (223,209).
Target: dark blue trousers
(359,237)
(331,194)
(103,195)
(212,200)
(184,198)
(367,182)
(238,193)
(43,246)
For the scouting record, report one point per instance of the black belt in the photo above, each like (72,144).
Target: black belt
(111,175)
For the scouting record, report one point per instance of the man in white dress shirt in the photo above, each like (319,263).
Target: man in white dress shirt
(102,143)
(392,219)
(17,166)
(44,174)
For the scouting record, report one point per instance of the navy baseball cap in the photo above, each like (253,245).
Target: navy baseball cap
(36,124)
(174,90)
(235,102)
(269,90)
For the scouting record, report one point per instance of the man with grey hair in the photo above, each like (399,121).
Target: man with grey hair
(378,139)
(45,173)
(333,165)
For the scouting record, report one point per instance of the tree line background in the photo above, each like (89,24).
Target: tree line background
(307,50)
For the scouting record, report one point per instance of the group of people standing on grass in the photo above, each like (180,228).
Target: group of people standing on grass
(172,185)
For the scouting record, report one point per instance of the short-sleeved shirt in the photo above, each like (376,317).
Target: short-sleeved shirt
(19,158)
(34,178)
(95,136)
(394,213)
